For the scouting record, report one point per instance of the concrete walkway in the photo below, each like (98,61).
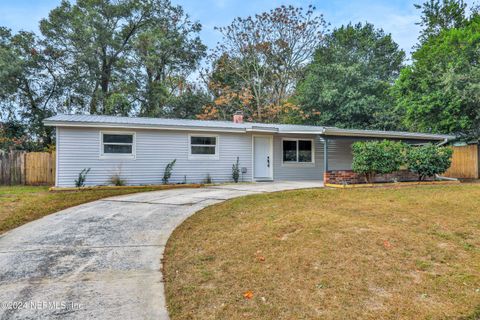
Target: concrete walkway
(102,260)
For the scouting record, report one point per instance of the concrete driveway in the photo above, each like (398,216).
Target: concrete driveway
(102,260)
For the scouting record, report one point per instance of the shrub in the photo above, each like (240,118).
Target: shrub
(373,157)
(428,160)
(116,180)
(168,171)
(82,177)
(236,171)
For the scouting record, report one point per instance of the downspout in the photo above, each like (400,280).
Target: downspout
(445,141)
(325,156)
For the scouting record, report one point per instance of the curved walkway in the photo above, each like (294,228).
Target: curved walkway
(102,260)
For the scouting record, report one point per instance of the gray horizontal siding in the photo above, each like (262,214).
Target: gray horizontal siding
(339,158)
(340,154)
(299,171)
(79,148)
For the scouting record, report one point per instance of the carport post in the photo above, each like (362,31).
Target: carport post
(325,158)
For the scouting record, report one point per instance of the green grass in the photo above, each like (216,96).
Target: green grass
(22,204)
(17,190)
(396,253)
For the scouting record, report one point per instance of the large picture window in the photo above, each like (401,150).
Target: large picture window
(203,146)
(297,151)
(117,144)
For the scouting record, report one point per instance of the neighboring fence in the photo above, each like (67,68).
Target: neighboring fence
(31,168)
(465,162)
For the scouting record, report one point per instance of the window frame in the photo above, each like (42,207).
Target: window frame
(107,155)
(192,156)
(298,163)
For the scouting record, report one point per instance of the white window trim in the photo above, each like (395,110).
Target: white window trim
(297,163)
(133,155)
(215,156)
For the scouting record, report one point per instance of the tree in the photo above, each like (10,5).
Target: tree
(440,92)
(167,55)
(429,160)
(30,87)
(120,55)
(265,55)
(188,104)
(374,157)
(227,90)
(12,135)
(348,82)
(438,15)
(95,36)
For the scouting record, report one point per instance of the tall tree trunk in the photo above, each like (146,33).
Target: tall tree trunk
(105,82)
(94,101)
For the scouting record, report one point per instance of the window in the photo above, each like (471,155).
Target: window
(203,147)
(117,144)
(297,151)
(289,151)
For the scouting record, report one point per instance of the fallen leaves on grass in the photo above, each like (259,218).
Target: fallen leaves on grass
(248,295)
(259,256)
(387,244)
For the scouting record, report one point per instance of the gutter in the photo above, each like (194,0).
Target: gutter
(262,129)
(382,134)
(139,126)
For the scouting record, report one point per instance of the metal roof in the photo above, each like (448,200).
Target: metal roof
(224,126)
(332,131)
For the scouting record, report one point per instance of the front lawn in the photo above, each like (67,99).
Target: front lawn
(22,204)
(406,253)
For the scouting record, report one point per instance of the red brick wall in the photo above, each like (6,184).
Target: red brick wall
(350,177)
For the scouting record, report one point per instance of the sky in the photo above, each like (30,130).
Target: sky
(394,16)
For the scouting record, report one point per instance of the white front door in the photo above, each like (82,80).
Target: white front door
(262,158)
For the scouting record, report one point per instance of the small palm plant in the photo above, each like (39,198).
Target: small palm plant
(168,171)
(82,177)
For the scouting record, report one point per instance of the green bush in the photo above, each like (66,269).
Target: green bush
(429,160)
(236,170)
(374,157)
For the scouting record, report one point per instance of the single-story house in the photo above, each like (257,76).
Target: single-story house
(138,149)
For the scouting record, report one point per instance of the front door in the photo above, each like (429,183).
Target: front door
(262,158)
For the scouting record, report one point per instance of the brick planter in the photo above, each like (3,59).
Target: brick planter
(350,177)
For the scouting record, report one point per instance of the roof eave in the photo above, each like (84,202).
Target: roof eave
(300,132)
(262,130)
(139,126)
(386,134)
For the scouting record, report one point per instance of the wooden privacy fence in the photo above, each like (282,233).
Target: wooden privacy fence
(31,168)
(465,162)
